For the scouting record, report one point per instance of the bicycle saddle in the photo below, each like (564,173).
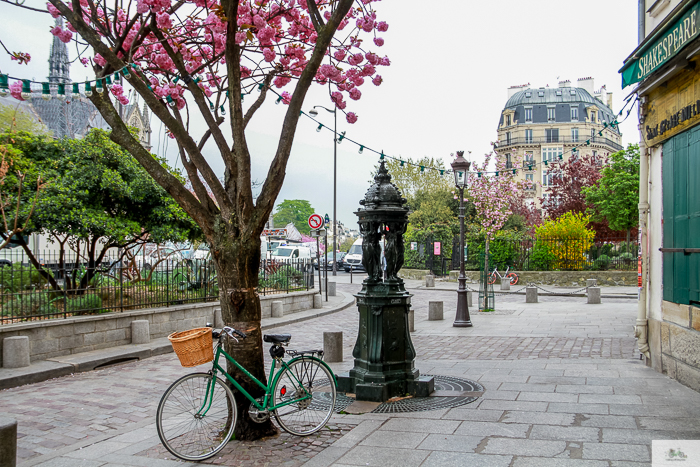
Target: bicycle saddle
(277,338)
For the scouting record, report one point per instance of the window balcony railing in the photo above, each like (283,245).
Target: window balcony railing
(561,140)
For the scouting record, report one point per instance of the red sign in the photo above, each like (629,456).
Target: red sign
(436,248)
(274,233)
(315,221)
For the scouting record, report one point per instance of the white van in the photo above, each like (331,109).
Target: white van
(291,252)
(353,260)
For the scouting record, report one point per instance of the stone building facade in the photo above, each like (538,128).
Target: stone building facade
(538,124)
(664,72)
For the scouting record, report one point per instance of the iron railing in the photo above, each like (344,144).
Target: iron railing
(68,287)
(561,140)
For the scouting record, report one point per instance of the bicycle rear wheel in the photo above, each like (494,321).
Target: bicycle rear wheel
(303,377)
(492,278)
(513,278)
(184,432)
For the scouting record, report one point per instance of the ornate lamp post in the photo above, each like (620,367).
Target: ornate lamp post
(460,167)
(313,112)
(384,354)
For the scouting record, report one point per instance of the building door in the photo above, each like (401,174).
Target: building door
(681,217)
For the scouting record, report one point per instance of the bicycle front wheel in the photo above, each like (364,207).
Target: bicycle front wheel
(186,427)
(308,388)
(492,278)
(513,278)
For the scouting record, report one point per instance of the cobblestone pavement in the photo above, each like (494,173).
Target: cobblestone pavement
(564,387)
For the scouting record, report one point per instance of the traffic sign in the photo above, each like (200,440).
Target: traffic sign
(318,233)
(315,221)
(328,219)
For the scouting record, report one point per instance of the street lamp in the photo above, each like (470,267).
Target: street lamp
(460,167)
(314,113)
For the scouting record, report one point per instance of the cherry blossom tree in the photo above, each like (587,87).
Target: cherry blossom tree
(491,194)
(195,60)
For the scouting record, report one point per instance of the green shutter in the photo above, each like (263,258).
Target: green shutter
(681,214)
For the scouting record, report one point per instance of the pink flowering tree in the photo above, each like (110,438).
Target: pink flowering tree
(492,193)
(195,59)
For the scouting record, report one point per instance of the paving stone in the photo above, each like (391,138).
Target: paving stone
(98,450)
(524,447)
(609,451)
(670,424)
(609,399)
(527,387)
(501,395)
(514,405)
(548,397)
(421,425)
(460,459)
(357,434)
(473,415)
(394,439)
(483,429)
(381,457)
(599,409)
(539,418)
(457,443)
(556,380)
(558,462)
(71,462)
(633,436)
(564,433)
(583,389)
(609,421)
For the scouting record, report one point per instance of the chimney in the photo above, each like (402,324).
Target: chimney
(587,84)
(513,89)
(565,84)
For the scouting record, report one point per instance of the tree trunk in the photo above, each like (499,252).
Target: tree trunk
(237,261)
(486,275)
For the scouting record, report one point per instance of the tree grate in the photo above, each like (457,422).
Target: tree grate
(422,404)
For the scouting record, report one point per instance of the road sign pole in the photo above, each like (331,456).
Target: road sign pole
(318,261)
(325,242)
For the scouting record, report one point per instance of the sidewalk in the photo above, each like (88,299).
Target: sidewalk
(88,361)
(563,383)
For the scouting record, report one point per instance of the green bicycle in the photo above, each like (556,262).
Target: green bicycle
(197,415)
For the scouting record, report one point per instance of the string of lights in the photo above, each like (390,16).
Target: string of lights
(100,84)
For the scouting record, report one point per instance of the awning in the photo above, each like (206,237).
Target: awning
(650,56)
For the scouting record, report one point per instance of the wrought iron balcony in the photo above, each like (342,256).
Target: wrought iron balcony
(581,141)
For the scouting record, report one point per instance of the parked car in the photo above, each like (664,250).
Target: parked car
(327,260)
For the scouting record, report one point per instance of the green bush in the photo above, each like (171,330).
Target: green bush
(627,257)
(31,305)
(84,304)
(602,262)
(542,258)
(16,278)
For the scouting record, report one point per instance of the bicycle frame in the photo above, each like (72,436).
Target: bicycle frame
(268,389)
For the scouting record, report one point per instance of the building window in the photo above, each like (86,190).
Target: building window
(508,138)
(552,135)
(528,136)
(558,93)
(574,135)
(507,120)
(592,133)
(551,153)
(551,114)
(528,160)
(540,93)
(548,178)
(528,114)
(528,94)
(574,114)
(572,92)
(509,162)
(530,177)
(593,116)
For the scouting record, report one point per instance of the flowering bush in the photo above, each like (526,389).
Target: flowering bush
(567,238)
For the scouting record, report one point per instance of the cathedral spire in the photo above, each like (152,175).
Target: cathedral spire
(58,59)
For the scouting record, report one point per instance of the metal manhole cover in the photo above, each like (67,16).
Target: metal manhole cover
(444,384)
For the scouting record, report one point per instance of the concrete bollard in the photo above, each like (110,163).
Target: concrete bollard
(318,302)
(8,442)
(15,352)
(470,298)
(411,320)
(435,311)
(140,332)
(430,280)
(331,289)
(218,318)
(333,346)
(531,294)
(594,295)
(277,309)
(505,283)
(591,282)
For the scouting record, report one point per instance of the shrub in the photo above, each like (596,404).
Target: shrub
(568,239)
(16,278)
(84,304)
(31,305)
(627,257)
(602,262)
(542,258)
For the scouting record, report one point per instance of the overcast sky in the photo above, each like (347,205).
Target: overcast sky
(451,64)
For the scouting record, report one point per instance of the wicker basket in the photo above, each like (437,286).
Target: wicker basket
(193,347)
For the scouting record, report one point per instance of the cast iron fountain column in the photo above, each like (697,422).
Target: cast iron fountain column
(384,354)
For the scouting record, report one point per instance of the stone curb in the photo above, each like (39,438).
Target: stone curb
(544,294)
(87,361)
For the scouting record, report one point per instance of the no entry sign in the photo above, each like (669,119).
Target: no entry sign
(315,221)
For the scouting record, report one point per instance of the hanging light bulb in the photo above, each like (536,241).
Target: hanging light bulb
(26,89)
(99,86)
(242,96)
(260,87)
(362,148)
(125,72)
(340,138)
(61,93)
(116,77)
(320,127)
(76,91)
(45,91)
(401,163)
(223,110)
(171,102)
(381,156)
(109,82)
(422,168)
(279,99)
(4,87)
(88,89)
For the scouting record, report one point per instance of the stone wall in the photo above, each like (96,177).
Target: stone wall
(56,337)
(560,278)
(674,343)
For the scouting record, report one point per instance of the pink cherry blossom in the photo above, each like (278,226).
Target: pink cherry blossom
(355,94)
(16,90)
(52,10)
(65,36)
(378,41)
(351,117)
(382,26)
(269,55)
(377,80)
(99,60)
